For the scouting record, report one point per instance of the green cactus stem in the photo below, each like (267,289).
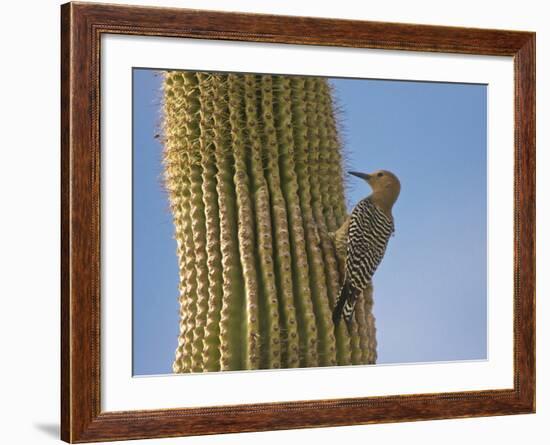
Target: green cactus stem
(253,170)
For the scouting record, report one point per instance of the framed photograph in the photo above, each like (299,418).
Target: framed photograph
(274,222)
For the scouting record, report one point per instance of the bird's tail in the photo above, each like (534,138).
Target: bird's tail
(345,304)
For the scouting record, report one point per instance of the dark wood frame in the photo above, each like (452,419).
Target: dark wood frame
(81,28)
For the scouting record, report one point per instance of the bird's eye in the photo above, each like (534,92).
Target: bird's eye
(380,174)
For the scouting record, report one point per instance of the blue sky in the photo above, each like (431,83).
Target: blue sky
(430,290)
(155,267)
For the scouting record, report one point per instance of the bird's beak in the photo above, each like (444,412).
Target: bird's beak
(364,176)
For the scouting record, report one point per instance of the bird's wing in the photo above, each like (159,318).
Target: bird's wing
(368,235)
(340,238)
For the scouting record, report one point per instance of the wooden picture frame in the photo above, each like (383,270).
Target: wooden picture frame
(82,25)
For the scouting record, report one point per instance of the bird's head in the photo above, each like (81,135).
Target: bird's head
(385,187)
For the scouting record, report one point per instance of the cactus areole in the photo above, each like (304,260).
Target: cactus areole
(253,168)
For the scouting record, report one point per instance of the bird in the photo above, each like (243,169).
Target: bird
(364,237)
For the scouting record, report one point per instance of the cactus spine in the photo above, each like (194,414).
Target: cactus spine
(253,168)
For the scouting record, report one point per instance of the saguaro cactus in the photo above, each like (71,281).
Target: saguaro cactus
(254,173)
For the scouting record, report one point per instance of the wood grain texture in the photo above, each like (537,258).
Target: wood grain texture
(81,29)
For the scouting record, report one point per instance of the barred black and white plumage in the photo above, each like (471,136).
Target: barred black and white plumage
(368,233)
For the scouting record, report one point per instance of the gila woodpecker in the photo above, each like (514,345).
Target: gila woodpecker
(365,235)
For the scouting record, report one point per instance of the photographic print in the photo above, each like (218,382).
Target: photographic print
(284,221)
(274,222)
